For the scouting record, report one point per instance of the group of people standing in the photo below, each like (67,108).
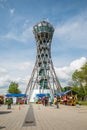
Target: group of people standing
(49,101)
(45,101)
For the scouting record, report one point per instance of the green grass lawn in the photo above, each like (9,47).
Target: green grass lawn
(82,102)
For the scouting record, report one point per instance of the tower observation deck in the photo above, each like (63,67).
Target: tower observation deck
(43,75)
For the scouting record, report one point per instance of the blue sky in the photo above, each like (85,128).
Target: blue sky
(17,42)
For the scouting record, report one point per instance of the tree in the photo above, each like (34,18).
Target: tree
(84,72)
(66,88)
(13,88)
(80,80)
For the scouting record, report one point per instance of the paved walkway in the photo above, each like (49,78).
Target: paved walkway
(38,117)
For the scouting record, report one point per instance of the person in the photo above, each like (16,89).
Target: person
(65,100)
(9,102)
(46,101)
(43,100)
(55,100)
(58,100)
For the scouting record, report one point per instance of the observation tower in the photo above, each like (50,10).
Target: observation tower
(43,78)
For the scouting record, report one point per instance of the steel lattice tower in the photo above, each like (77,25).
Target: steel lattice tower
(43,75)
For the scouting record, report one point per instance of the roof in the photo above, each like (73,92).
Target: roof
(60,94)
(40,95)
(15,95)
(66,92)
(69,92)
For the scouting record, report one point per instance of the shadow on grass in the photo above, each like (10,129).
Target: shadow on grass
(5,112)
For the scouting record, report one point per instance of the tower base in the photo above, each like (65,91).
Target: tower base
(37,91)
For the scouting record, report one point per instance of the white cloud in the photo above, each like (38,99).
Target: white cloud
(65,73)
(6,80)
(24,36)
(3,80)
(2,71)
(78,63)
(73,32)
(3,3)
(22,73)
(12,11)
(18,72)
(25,66)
